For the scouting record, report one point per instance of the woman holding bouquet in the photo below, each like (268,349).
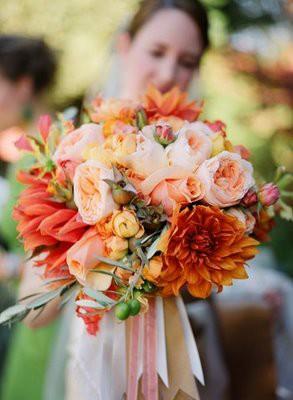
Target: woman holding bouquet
(162,46)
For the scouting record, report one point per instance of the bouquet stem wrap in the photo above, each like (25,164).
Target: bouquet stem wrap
(163,357)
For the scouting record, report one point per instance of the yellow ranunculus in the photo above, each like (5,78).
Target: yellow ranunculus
(116,247)
(125,224)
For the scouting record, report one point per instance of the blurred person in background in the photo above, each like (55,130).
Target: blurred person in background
(27,69)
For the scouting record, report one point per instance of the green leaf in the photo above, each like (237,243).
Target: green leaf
(141,255)
(44,299)
(69,295)
(29,296)
(115,277)
(67,287)
(99,296)
(114,263)
(286,211)
(153,248)
(13,314)
(89,303)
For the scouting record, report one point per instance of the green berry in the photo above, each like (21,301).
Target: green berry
(122,311)
(134,306)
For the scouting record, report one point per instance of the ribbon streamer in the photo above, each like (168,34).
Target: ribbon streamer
(133,360)
(150,376)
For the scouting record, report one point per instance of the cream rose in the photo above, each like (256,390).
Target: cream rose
(115,149)
(226,178)
(72,145)
(82,259)
(192,146)
(92,195)
(148,157)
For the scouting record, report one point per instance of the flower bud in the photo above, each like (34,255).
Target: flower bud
(217,127)
(269,194)
(141,118)
(44,125)
(125,224)
(164,134)
(250,199)
(122,196)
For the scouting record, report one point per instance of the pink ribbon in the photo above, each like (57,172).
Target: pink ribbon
(132,379)
(150,377)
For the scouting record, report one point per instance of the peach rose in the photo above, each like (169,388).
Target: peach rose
(177,191)
(73,144)
(226,177)
(148,157)
(82,258)
(92,195)
(192,146)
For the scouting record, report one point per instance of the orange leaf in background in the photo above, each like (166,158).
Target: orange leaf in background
(173,103)
(206,248)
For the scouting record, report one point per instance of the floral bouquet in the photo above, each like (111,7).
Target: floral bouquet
(129,209)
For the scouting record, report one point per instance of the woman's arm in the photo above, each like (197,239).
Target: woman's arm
(32,283)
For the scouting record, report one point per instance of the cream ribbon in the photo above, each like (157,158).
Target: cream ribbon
(108,358)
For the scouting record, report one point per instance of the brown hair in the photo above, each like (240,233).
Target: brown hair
(193,8)
(24,56)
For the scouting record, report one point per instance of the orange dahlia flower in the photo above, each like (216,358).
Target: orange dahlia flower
(173,103)
(46,225)
(205,248)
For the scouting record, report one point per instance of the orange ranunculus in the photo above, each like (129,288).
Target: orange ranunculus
(171,104)
(205,248)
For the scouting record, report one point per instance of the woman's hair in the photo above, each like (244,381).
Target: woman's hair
(22,56)
(193,8)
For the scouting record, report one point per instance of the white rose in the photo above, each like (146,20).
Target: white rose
(192,146)
(148,157)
